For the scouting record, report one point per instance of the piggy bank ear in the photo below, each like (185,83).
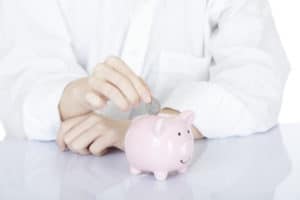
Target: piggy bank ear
(187,116)
(158,127)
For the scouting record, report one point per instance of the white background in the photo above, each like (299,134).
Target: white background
(287,18)
(287,15)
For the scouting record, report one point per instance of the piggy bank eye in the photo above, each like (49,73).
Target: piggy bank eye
(179,134)
(188,131)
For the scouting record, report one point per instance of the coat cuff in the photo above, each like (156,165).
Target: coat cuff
(218,113)
(41,116)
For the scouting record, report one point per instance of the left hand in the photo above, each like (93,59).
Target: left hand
(92,134)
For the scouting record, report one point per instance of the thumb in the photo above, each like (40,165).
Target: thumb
(94,100)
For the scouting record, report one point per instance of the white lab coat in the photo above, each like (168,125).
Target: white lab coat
(220,58)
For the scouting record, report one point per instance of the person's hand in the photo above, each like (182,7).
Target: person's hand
(92,134)
(170,111)
(112,80)
(74,100)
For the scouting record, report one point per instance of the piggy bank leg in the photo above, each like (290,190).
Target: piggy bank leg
(182,170)
(134,170)
(161,175)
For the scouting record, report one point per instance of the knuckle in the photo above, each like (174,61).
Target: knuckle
(121,81)
(114,93)
(114,97)
(106,89)
(119,100)
(93,150)
(67,141)
(112,60)
(75,147)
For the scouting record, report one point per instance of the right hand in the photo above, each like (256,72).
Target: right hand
(112,80)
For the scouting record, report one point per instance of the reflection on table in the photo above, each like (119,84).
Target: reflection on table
(235,168)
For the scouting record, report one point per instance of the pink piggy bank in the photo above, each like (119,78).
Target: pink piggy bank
(160,144)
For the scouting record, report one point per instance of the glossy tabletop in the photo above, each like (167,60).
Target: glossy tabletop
(260,167)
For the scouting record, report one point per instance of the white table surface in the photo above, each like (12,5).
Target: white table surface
(260,167)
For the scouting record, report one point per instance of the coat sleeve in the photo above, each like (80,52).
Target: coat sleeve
(247,75)
(36,65)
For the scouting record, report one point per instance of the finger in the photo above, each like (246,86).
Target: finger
(140,86)
(64,128)
(121,82)
(77,130)
(110,91)
(99,146)
(95,101)
(84,140)
(81,151)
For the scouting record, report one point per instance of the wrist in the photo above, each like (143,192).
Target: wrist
(123,126)
(71,104)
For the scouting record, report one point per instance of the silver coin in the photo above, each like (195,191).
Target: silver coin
(154,107)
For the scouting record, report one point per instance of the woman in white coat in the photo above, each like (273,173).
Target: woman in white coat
(220,58)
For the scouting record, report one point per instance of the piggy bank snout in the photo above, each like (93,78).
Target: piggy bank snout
(186,151)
